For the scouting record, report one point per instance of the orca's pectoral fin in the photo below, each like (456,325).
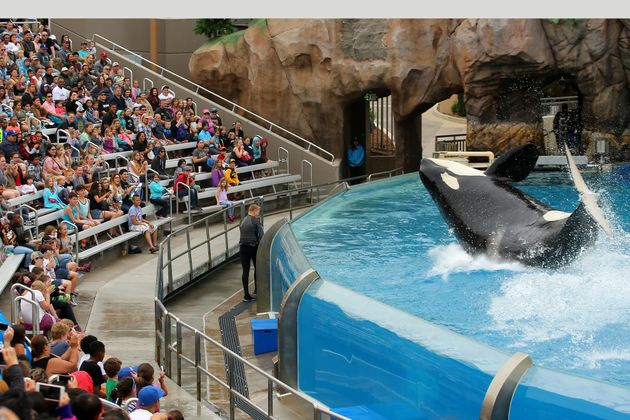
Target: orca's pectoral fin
(588,198)
(515,164)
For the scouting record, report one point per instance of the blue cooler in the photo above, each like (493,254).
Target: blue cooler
(265,335)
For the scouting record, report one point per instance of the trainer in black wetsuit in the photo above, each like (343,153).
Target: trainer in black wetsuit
(251,234)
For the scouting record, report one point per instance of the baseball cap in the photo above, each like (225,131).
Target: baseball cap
(213,109)
(115,63)
(149,395)
(47,238)
(64,69)
(10,133)
(186,168)
(43,47)
(232,160)
(104,54)
(36,254)
(126,371)
(206,111)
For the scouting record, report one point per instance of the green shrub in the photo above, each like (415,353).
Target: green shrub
(214,28)
(458,107)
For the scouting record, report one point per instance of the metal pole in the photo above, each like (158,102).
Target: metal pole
(190,262)
(158,318)
(208,242)
(167,343)
(169,252)
(230,373)
(197,360)
(269,398)
(290,206)
(225,231)
(178,332)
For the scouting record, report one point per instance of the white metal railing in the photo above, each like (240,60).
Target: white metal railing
(551,106)
(201,340)
(167,284)
(308,145)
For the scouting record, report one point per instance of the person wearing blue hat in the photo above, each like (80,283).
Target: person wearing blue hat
(9,145)
(149,400)
(128,371)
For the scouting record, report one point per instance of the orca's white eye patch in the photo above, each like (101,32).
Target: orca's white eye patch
(450,180)
(555,215)
(457,168)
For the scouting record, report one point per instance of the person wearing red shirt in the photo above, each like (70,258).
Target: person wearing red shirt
(185,177)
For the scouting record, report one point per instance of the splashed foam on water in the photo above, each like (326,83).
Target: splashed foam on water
(452,258)
(577,304)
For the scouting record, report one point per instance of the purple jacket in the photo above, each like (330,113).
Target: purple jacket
(217,174)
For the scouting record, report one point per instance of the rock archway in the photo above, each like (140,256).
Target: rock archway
(304,73)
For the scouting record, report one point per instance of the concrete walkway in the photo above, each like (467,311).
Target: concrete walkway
(434,123)
(122,314)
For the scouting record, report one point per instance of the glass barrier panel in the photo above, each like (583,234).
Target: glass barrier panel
(550,394)
(287,263)
(358,355)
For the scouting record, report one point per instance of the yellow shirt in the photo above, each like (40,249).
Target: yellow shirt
(231,176)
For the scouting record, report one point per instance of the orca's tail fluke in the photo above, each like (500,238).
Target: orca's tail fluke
(589,198)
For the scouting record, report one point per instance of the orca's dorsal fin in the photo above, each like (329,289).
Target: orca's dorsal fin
(515,164)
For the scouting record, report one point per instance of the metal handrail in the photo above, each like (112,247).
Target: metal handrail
(34,313)
(147,192)
(388,173)
(125,69)
(5,107)
(163,317)
(144,89)
(31,129)
(125,406)
(283,160)
(99,149)
(189,202)
(36,217)
(64,132)
(16,286)
(121,157)
(318,408)
(223,212)
(310,166)
(78,158)
(310,145)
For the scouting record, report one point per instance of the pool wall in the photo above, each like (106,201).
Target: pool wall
(355,351)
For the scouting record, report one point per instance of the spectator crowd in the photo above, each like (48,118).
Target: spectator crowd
(63,110)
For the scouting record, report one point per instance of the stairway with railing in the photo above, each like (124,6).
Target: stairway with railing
(150,74)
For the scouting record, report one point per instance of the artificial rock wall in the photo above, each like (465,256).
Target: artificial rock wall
(303,73)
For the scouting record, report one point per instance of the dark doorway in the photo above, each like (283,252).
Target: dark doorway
(369,118)
(355,117)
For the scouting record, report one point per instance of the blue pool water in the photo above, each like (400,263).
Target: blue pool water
(387,241)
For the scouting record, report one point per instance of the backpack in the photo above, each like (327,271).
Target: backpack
(134,249)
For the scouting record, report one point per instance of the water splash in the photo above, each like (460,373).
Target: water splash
(452,258)
(581,304)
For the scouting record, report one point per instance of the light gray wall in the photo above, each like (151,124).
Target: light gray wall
(176,40)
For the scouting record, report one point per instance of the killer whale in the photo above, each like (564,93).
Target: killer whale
(488,215)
